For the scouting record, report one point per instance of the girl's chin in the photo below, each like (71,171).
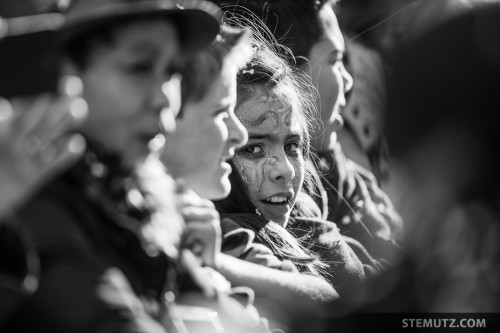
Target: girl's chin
(276,213)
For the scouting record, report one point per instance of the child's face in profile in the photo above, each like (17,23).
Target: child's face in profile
(205,139)
(128,84)
(329,75)
(271,164)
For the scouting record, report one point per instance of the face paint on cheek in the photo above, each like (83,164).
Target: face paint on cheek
(250,174)
(247,170)
(272,161)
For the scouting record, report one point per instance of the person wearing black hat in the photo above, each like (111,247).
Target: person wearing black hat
(102,269)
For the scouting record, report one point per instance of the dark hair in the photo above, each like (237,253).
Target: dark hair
(200,69)
(294,23)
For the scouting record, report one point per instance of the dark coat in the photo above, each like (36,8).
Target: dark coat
(359,207)
(96,275)
(18,268)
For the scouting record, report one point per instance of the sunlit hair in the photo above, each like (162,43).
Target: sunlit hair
(294,23)
(232,46)
(271,73)
(266,75)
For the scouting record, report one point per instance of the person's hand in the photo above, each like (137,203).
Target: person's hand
(208,279)
(35,140)
(202,234)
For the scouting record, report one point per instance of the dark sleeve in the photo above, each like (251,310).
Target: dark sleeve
(359,206)
(348,262)
(79,290)
(18,269)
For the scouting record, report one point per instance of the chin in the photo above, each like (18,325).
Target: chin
(215,191)
(222,191)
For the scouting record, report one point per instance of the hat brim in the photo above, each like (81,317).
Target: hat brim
(197,27)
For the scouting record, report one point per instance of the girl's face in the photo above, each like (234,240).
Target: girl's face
(330,76)
(128,85)
(272,163)
(205,139)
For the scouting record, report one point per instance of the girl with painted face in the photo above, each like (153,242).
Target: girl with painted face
(352,196)
(102,268)
(274,106)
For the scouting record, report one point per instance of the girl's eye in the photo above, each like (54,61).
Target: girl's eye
(252,149)
(292,147)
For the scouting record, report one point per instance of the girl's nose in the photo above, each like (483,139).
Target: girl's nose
(282,169)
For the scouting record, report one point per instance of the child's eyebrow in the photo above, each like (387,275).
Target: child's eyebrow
(273,137)
(267,137)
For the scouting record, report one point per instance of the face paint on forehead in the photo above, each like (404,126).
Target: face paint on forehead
(276,115)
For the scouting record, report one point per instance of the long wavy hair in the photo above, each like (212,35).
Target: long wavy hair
(269,72)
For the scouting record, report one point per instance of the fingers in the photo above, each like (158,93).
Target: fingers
(64,116)
(29,113)
(6,116)
(204,240)
(6,111)
(208,233)
(63,153)
(193,213)
(48,117)
(35,136)
(190,262)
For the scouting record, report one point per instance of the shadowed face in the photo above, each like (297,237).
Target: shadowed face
(129,87)
(330,76)
(271,164)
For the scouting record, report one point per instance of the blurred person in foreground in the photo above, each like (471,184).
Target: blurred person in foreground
(37,143)
(443,133)
(94,227)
